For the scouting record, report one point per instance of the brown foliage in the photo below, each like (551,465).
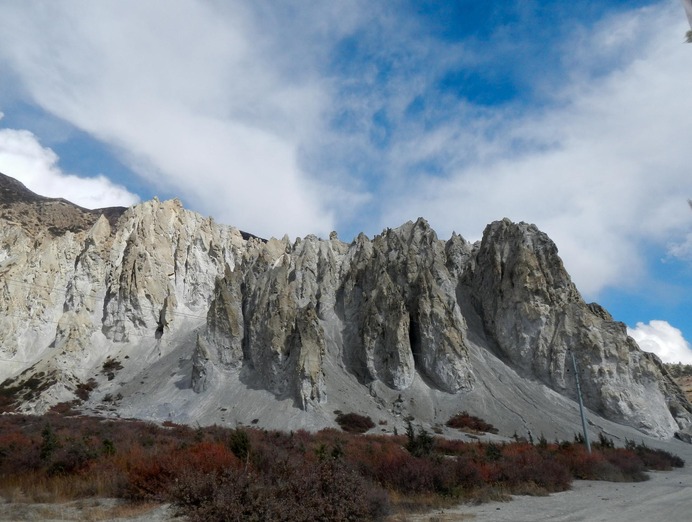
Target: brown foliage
(215,473)
(464,421)
(354,423)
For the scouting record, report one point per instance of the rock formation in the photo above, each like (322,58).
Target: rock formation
(156,297)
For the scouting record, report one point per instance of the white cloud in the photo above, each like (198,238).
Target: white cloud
(603,169)
(196,97)
(681,250)
(25,159)
(664,340)
(225,104)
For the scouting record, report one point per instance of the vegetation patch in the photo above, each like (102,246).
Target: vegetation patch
(465,422)
(84,389)
(214,473)
(15,391)
(354,423)
(110,367)
(679,370)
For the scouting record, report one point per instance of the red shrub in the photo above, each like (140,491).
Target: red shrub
(18,453)
(330,475)
(588,466)
(354,423)
(523,463)
(150,477)
(457,447)
(656,459)
(465,421)
(629,464)
(209,457)
(468,473)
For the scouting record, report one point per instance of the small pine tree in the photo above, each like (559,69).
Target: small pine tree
(542,441)
(108,448)
(49,443)
(240,444)
(421,444)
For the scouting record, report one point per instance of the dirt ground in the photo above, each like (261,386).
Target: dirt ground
(95,509)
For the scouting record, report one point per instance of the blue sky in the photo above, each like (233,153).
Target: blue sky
(295,117)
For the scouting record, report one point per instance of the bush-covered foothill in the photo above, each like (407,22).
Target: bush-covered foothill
(214,473)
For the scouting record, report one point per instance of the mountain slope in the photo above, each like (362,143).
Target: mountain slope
(157,312)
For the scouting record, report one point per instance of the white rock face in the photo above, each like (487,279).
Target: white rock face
(161,313)
(530,307)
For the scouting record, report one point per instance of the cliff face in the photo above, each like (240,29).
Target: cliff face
(123,301)
(538,319)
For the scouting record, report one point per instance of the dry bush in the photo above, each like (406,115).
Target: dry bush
(523,464)
(628,463)
(582,464)
(457,447)
(354,423)
(609,464)
(37,487)
(657,459)
(216,473)
(464,421)
(326,491)
(468,473)
(151,476)
(84,389)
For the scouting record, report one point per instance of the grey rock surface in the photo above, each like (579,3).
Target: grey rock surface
(164,314)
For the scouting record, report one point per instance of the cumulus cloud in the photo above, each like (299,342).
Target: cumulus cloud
(602,168)
(277,118)
(25,159)
(194,97)
(664,340)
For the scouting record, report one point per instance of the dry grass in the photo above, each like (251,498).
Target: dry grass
(37,487)
(489,494)
(419,502)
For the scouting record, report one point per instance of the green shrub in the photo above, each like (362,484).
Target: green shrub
(240,444)
(420,444)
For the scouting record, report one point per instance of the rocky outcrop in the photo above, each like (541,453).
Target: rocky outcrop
(404,312)
(537,318)
(399,307)
(392,300)
(72,296)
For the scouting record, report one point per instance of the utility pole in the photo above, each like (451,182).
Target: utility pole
(581,404)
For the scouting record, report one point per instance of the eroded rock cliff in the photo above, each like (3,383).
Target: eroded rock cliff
(121,300)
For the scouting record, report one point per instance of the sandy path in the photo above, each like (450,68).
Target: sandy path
(666,497)
(93,509)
